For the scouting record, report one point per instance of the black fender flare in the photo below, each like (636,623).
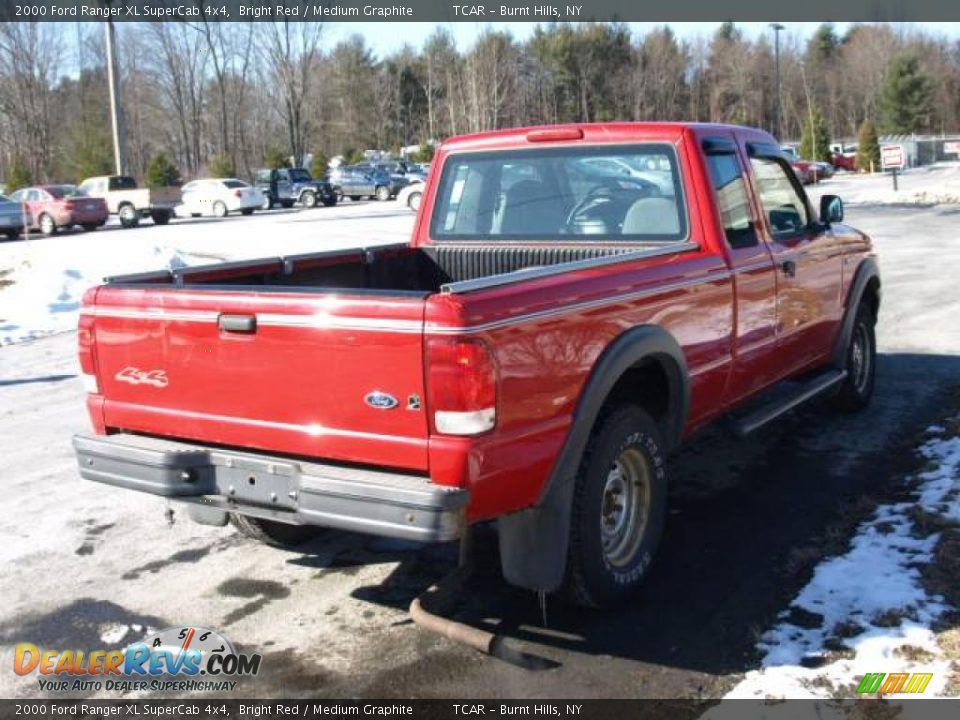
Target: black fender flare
(866,272)
(533,542)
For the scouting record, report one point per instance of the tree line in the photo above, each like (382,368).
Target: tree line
(223,98)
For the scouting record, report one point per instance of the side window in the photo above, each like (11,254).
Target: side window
(784,207)
(732,200)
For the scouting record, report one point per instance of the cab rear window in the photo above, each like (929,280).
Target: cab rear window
(603,193)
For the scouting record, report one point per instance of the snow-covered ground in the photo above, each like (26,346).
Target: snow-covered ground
(937,184)
(42,280)
(867,610)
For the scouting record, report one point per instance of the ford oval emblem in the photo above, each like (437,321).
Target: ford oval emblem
(380,400)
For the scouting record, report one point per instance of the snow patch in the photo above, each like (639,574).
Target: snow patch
(876,614)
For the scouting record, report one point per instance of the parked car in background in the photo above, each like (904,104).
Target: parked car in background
(823,169)
(412,193)
(804,171)
(220,196)
(13,218)
(288,186)
(51,207)
(361,182)
(131,203)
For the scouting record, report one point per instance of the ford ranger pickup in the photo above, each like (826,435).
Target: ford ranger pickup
(576,300)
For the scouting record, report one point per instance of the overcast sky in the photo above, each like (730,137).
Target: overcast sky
(385,37)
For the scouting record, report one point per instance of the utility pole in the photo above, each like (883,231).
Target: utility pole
(113,81)
(777,27)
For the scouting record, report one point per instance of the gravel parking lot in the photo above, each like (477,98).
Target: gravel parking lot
(88,566)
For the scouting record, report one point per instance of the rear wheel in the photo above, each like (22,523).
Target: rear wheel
(413,201)
(160,217)
(309,199)
(47,224)
(219,209)
(271,532)
(857,388)
(619,508)
(128,216)
(382,193)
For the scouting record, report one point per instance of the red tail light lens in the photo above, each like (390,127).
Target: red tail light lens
(237,193)
(461,386)
(86,345)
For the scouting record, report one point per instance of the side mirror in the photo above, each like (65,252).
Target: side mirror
(831,209)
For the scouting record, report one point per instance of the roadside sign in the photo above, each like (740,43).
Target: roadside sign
(893,157)
(951,148)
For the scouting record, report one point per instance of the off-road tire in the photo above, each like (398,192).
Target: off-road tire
(273,533)
(595,575)
(856,389)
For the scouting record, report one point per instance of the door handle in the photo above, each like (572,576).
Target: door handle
(789,268)
(238,323)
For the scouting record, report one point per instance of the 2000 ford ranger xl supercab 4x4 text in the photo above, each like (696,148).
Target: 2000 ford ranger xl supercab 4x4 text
(576,301)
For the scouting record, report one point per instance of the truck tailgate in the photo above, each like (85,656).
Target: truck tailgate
(336,376)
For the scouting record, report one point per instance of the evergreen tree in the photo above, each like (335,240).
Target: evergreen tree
(868,150)
(276,158)
(907,99)
(161,172)
(222,167)
(18,175)
(815,139)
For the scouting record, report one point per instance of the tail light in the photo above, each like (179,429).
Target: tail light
(237,193)
(461,386)
(86,345)
(69,204)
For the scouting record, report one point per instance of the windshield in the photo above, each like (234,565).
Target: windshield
(297,175)
(623,193)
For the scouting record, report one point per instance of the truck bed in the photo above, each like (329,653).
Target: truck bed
(391,270)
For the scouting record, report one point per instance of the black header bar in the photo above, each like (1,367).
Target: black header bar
(481,11)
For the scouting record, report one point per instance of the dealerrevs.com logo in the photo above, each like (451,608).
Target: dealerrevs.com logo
(180,659)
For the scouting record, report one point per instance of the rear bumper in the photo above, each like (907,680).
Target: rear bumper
(276,488)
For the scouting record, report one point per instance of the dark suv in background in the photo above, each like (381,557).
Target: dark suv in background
(286,186)
(361,181)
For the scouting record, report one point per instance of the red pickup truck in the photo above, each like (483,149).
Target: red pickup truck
(575,302)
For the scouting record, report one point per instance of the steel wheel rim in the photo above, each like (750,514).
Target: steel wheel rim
(624,507)
(860,358)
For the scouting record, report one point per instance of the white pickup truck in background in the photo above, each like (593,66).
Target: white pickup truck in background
(131,203)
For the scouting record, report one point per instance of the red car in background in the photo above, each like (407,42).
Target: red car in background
(804,171)
(51,207)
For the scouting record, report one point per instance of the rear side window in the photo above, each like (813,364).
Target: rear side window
(601,192)
(233,184)
(123,183)
(732,200)
(785,210)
